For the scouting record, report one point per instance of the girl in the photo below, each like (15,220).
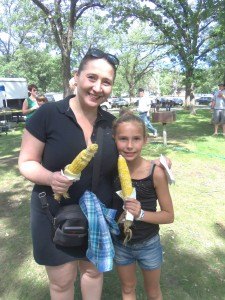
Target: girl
(151,185)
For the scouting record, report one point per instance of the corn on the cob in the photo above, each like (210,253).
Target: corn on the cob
(78,164)
(124,175)
(126,187)
(81,160)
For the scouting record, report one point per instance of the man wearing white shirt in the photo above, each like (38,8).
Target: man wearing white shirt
(144,105)
(218,105)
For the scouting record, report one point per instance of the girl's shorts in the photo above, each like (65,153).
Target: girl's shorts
(147,254)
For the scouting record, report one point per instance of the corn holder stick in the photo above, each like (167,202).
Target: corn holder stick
(73,170)
(127,191)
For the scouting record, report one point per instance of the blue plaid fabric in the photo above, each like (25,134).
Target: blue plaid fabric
(101,222)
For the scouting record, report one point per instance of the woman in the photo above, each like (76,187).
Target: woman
(56,133)
(30,104)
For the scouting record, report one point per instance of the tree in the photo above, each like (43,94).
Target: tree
(17,27)
(188,27)
(37,66)
(63,16)
(141,52)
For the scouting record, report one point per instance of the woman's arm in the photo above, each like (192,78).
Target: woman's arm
(25,108)
(30,165)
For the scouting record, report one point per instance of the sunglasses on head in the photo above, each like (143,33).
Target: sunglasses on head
(112,59)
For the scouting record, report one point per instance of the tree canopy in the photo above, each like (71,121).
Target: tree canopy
(153,39)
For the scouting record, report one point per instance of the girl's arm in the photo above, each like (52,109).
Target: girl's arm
(166,214)
(30,165)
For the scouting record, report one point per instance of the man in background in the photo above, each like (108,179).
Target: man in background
(218,106)
(144,104)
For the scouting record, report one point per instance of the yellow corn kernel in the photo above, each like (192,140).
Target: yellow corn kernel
(77,165)
(81,160)
(124,176)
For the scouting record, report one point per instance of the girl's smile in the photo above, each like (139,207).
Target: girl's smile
(130,139)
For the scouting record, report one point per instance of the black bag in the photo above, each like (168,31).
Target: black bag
(70,225)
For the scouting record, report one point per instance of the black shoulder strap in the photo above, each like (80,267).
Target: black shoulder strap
(44,204)
(152,167)
(97,159)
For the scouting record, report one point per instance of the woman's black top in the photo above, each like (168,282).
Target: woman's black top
(55,125)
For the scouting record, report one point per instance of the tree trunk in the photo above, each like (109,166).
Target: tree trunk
(189,91)
(66,71)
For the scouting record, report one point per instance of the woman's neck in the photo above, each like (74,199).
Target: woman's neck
(32,98)
(84,115)
(86,111)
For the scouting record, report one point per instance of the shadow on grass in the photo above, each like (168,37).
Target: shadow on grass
(189,126)
(187,275)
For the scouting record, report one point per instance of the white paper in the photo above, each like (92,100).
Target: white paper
(169,173)
(71,177)
(129,216)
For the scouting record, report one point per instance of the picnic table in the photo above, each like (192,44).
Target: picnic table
(7,116)
(164,117)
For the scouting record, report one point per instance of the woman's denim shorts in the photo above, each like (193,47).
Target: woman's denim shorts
(148,254)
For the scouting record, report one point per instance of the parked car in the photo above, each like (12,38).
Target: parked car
(177,102)
(52,97)
(171,101)
(204,100)
(106,105)
(119,102)
(165,101)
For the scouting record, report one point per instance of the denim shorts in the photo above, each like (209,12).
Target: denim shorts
(148,254)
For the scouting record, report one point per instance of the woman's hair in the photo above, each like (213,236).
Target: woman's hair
(127,116)
(94,53)
(31,87)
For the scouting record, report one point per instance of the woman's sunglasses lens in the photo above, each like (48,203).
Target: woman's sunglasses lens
(100,54)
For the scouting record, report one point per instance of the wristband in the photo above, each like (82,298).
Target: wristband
(141,216)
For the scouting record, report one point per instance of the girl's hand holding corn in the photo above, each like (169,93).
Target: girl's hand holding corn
(133,206)
(127,190)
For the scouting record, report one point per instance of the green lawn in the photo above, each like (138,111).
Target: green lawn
(194,245)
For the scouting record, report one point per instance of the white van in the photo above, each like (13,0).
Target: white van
(13,91)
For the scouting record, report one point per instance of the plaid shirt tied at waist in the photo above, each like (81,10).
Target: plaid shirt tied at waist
(101,222)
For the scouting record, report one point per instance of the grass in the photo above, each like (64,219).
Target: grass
(194,245)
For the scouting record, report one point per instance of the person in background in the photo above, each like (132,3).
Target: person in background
(41,99)
(143,110)
(218,106)
(30,104)
(73,83)
(151,186)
